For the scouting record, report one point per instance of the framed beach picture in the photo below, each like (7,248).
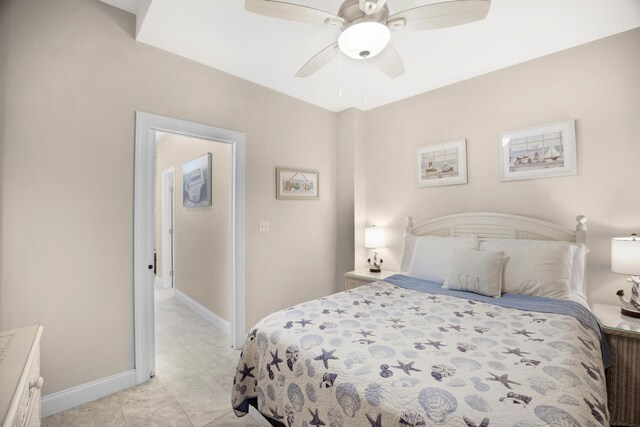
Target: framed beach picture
(444,163)
(196,182)
(297,184)
(538,152)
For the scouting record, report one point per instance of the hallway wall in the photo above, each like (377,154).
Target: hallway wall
(202,235)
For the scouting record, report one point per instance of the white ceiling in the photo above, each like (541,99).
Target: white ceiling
(268,51)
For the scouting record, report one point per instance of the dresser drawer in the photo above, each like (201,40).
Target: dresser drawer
(34,415)
(21,381)
(30,396)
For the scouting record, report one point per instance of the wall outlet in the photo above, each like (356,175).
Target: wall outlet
(264,226)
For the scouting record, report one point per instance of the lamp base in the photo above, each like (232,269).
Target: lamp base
(630,313)
(375,270)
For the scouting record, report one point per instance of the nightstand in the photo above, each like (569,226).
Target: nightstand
(360,277)
(623,377)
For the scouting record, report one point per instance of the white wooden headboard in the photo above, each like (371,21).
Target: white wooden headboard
(487,225)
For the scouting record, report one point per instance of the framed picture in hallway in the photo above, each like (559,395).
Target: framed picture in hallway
(297,184)
(439,164)
(196,182)
(538,152)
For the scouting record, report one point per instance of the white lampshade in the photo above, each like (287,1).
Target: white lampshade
(373,237)
(364,40)
(625,255)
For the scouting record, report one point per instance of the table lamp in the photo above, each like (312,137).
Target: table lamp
(374,239)
(625,259)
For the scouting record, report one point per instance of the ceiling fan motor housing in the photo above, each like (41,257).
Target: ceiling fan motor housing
(352,14)
(364,36)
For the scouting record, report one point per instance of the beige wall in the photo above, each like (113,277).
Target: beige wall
(71,78)
(202,235)
(351,191)
(597,84)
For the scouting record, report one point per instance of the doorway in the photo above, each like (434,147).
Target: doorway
(145,230)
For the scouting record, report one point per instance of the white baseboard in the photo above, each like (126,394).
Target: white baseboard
(158,282)
(203,311)
(88,392)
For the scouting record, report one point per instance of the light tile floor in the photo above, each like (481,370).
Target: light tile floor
(194,370)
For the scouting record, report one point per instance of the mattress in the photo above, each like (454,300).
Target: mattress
(406,352)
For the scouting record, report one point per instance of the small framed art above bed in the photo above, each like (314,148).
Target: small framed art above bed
(418,350)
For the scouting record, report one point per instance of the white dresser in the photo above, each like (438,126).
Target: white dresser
(20,382)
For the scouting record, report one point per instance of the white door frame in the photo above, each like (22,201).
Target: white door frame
(168,219)
(144,230)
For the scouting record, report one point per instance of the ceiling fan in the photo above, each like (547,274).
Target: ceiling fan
(366,27)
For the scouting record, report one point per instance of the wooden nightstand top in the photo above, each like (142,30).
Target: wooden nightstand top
(365,274)
(615,321)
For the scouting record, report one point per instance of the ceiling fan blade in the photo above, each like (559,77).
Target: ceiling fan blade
(389,62)
(319,60)
(440,15)
(292,12)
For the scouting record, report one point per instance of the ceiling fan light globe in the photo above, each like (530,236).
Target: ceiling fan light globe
(371,37)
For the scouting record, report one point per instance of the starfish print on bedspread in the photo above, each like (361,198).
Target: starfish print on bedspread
(246,372)
(407,367)
(326,356)
(339,311)
(596,408)
(303,322)
(435,344)
(503,379)
(587,343)
(316,421)
(469,423)
(275,360)
(375,423)
(592,370)
(275,415)
(366,334)
(456,327)
(523,332)
(515,351)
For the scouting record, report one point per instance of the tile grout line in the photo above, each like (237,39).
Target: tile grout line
(126,423)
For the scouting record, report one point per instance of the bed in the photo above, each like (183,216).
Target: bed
(408,352)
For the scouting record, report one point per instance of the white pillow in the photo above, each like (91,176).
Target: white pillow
(538,269)
(577,259)
(475,271)
(408,247)
(432,255)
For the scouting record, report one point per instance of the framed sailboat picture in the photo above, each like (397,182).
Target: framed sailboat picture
(538,152)
(439,164)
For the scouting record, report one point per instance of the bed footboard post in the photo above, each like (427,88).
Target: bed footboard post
(581,229)
(409,228)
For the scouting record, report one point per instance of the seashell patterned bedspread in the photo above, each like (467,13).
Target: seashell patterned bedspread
(382,355)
